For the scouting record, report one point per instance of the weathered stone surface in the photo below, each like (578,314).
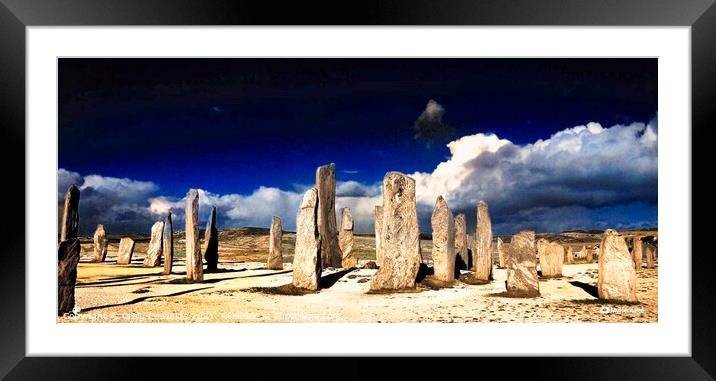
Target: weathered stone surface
(326,186)
(345,239)
(590,256)
(194,262)
(570,254)
(68,255)
(637,252)
(125,251)
(168,245)
(482,257)
(400,238)
(582,254)
(307,256)
(650,252)
(211,242)
(501,255)
(154,251)
(275,255)
(100,244)
(71,214)
(461,248)
(522,278)
(551,258)
(443,252)
(378,230)
(471,250)
(617,276)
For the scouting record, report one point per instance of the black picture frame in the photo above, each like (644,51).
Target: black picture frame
(16,15)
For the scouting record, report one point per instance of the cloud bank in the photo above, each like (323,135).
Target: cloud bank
(586,177)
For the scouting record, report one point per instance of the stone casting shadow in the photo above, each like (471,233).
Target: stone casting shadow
(328,281)
(591,290)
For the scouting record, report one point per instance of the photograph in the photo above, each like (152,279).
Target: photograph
(357,190)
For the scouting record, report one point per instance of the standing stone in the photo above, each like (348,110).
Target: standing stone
(443,241)
(275,256)
(71,215)
(617,276)
(326,185)
(570,255)
(68,255)
(470,250)
(522,278)
(345,239)
(461,239)
(582,253)
(194,263)
(650,254)
(307,256)
(502,258)
(100,244)
(154,251)
(590,256)
(400,237)
(125,251)
(482,258)
(168,245)
(551,258)
(637,252)
(211,242)
(378,230)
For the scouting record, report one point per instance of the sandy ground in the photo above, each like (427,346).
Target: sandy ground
(107,292)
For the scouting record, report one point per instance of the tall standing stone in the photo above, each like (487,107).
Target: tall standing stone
(637,252)
(582,253)
(461,248)
(68,255)
(326,185)
(443,241)
(168,245)
(125,251)
(400,238)
(551,258)
(154,251)
(194,263)
(650,255)
(211,242)
(71,214)
(345,239)
(522,278)
(275,256)
(307,256)
(501,257)
(100,244)
(570,254)
(482,258)
(590,256)
(378,230)
(617,276)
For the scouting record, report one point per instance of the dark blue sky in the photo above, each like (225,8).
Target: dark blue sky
(232,125)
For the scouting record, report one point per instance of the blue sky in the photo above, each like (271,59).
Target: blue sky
(233,127)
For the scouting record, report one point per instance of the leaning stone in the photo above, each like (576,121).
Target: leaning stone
(68,255)
(378,230)
(570,254)
(345,239)
(443,252)
(71,214)
(168,245)
(326,186)
(400,238)
(637,252)
(194,262)
(617,276)
(502,258)
(551,258)
(275,256)
(154,251)
(307,256)
(100,244)
(482,258)
(522,278)
(211,242)
(125,251)
(461,248)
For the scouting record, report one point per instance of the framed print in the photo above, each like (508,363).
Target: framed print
(483,179)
